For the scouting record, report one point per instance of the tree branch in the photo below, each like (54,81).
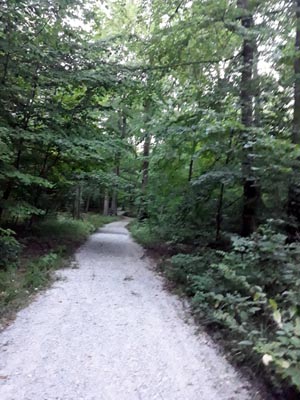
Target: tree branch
(171,65)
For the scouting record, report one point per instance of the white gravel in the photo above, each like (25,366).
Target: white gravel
(109,331)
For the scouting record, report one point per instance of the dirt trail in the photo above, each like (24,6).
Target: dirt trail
(109,331)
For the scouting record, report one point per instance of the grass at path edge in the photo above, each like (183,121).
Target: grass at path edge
(48,246)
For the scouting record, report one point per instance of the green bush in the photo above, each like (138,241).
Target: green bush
(67,228)
(8,287)
(253,294)
(60,234)
(98,220)
(142,232)
(9,248)
(184,268)
(281,351)
(151,232)
(38,272)
(64,228)
(17,284)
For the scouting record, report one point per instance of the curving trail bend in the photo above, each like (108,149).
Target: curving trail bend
(109,331)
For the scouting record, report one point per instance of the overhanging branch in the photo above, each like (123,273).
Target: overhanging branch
(145,68)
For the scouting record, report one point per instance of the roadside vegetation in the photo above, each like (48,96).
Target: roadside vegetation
(27,264)
(247,296)
(185,114)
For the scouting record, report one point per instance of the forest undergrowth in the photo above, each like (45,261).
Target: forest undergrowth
(29,259)
(246,295)
(185,114)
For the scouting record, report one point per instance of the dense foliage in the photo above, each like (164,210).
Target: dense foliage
(187,115)
(251,292)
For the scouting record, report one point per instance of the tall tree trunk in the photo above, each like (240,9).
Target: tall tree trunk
(106,203)
(191,166)
(114,202)
(145,166)
(257,86)
(7,32)
(219,214)
(294,189)
(114,199)
(77,202)
(296,123)
(143,212)
(122,127)
(250,184)
(87,204)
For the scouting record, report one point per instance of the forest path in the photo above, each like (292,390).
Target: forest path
(109,331)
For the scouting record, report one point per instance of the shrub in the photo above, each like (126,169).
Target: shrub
(9,248)
(8,287)
(98,220)
(252,293)
(184,268)
(67,228)
(38,272)
(60,235)
(64,228)
(144,234)
(282,351)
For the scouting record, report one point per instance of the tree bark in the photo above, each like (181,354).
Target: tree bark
(106,203)
(145,166)
(122,127)
(219,215)
(7,32)
(296,122)
(251,189)
(143,212)
(191,166)
(87,204)
(294,189)
(257,86)
(77,202)
(114,199)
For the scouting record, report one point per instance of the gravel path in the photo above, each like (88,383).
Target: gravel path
(108,331)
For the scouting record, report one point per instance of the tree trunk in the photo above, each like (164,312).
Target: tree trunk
(294,189)
(106,203)
(143,209)
(296,122)
(77,202)
(87,204)
(143,212)
(5,197)
(251,189)
(145,166)
(114,201)
(7,32)
(191,166)
(257,86)
(219,215)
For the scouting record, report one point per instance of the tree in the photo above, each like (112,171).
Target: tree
(294,189)
(251,185)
